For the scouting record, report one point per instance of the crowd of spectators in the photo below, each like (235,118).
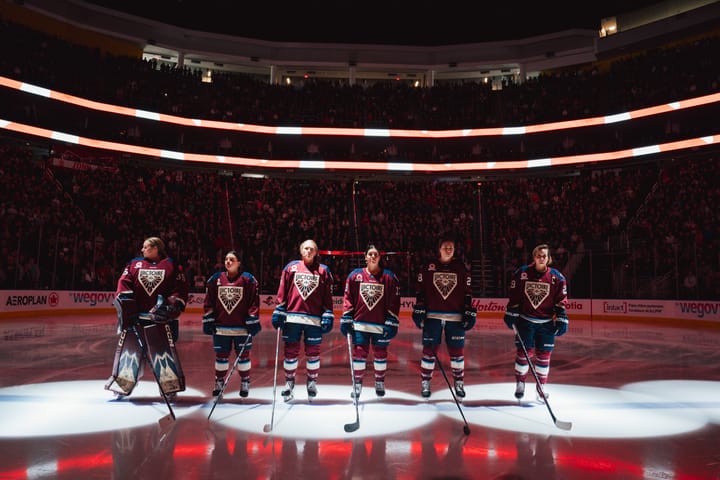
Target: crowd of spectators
(65,228)
(68,228)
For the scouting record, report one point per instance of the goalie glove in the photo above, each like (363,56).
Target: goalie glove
(278,317)
(561,321)
(419,315)
(346,324)
(326,321)
(252,325)
(208,324)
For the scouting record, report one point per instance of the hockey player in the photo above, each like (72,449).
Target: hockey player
(151,294)
(536,306)
(371,305)
(232,312)
(305,309)
(443,303)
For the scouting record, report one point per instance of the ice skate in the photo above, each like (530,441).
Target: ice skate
(287,392)
(425,388)
(357,390)
(218,387)
(380,388)
(519,389)
(459,389)
(245,388)
(311,389)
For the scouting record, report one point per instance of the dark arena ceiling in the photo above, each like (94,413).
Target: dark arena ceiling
(420,22)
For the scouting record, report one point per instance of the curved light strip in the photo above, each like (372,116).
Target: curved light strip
(351,165)
(359,132)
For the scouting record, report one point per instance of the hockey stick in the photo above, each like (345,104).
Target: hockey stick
(466,428)
(351,427)
(171,416)
(269,426)
(229,376)
(558,423)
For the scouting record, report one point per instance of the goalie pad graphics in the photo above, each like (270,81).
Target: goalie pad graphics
(127,365)
(129,360)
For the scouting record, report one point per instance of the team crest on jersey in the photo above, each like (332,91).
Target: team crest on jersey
(445,283)
(536,292)
(230,297)
(150,279)
(371,293)
(306,283)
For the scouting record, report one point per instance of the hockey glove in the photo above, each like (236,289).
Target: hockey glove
(326,322)
(390,328)
(278,317)
(346,325)
(561,321)
(252,325)
(511,317)
(208,324)
(469,318)
(419,315)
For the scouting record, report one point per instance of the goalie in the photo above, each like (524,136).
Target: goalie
(151,294)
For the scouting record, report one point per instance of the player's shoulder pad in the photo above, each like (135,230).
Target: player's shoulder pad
(357,271)
(291,263)
(325,267)
(390,273)
(557,273)
(249,276)
(213,278)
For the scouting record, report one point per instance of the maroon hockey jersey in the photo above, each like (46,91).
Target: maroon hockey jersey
(371,299)
(146,280)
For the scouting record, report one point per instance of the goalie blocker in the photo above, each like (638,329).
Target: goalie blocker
(130,359)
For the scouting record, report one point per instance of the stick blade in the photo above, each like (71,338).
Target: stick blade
(351,427)
(267,428)
(166,422)
(563,425)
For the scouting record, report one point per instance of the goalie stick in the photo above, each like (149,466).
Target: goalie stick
(558,423)
(351,427)
(229,376)
(170,417)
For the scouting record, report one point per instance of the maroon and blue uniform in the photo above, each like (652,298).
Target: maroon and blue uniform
(304,297)
(144,281)
(232,312)
(444,289)
(537,302)
(372,303)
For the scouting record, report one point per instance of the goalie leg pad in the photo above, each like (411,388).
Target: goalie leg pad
(127,365)
(127,312)
(163,356)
